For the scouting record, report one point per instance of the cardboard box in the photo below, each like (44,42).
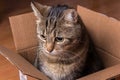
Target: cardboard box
(103,30)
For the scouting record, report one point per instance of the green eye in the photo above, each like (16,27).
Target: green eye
(59,39)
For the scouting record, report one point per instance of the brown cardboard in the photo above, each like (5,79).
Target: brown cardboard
(24,31)
(109,60)
(102,29)
(104,74)
(23,65)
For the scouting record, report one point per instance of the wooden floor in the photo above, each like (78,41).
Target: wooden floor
(9,71)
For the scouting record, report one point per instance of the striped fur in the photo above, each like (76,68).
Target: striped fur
(65,51)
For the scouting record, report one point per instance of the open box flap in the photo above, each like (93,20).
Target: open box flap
(105,74)
(23,30)
(104,30)
(30,70)
(108,59)
(22,64)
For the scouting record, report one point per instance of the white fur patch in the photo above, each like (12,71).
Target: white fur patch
(38,29)
(38,21)
(69,17)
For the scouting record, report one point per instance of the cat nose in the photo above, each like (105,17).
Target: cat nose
(49,47)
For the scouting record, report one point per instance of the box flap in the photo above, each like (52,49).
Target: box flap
(22,64)
(105,31)
(29,54)
(30,70)
(24,30)
(108,59)
(105,74)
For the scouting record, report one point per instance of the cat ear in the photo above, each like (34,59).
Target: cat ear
(71,15)
(39,10)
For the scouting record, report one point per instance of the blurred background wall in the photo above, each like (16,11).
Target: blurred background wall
(108,7)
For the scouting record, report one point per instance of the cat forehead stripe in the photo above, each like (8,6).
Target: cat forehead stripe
(56,11)
(54,14)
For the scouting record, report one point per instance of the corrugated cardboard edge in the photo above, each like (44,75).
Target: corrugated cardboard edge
(22,76)
(23,65)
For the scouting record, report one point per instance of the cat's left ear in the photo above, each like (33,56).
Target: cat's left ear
(71,15)
(40,11)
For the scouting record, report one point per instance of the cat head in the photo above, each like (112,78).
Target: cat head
(59,28)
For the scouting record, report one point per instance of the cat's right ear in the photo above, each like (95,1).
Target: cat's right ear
(40,11)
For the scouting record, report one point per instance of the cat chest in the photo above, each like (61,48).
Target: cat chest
(57,71)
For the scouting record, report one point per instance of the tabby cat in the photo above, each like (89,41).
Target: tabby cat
(65,51)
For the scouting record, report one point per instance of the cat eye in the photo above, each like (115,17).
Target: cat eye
(43,37)
(59,39)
